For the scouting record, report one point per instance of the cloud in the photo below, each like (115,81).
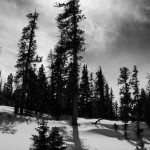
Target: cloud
(113,21)
(116,31)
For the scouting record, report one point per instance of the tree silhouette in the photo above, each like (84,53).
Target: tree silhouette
(73,42)
(27,57)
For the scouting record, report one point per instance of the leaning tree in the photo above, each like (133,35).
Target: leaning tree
(27,57)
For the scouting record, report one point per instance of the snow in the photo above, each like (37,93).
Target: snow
(16,135)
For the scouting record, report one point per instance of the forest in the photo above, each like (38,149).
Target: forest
(69,88)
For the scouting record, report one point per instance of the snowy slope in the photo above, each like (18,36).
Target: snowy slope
(15,135)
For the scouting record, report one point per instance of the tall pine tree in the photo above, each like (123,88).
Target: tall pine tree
(27,56)
(84,94)
(136,107)
(125,96)
(73,40)
(99,94)
(147,103)
(8,90)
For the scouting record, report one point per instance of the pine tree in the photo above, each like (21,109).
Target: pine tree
(135,85)
(73,42)
(27,57)
(111,105)
(56,140)
(0,82)
(84,93)
(52,84)
(116,109)
(147,103)
(31,92)
(125,96)
(41,141)
(17,98)
(107,101)
(99,93)
(142,103)
(56,82)
(8,89)
(69,91)
(93,103)
(42,90)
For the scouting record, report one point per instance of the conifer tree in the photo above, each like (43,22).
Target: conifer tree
(69,91)
(42,90)
(111,105)
(125,96)
(84,93)
(99,93)
(92,104)
(116,109)
(142,103)
(0,82)
(17,97)
(107,101)
(147,103)
(27,57)
(8,89)
(136,107)
(73,42)
(56,82)
(56,140)
(41,141)
(52,84)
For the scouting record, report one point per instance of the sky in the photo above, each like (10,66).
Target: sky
(117,34)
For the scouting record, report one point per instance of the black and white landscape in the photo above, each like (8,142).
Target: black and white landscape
(74,75)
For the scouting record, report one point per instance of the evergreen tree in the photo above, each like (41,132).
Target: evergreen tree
(116,109)
(142,103)
(135,85)
(69,91)
(147,103)
(84,93)
(56,140)
(8,89)
(16,98)
(99,94)
(93,103)
(31,92)
(125,96)
(56,82)
(107,101)
(41,141)
(27,57)
(0,82)
(73,42)
(111,105)
(52,84)
(42,90)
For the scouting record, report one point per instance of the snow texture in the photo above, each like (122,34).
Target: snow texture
(16,133)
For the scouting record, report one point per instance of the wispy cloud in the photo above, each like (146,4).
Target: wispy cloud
(117,32)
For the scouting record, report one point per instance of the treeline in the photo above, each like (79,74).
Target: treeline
(95,97)
(67,89)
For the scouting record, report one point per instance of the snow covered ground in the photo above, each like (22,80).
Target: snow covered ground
(15,135)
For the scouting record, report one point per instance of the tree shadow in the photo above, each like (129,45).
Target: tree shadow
(9,121)
(108,133)
(7,128)
(75,143)
(132,139)
(78,144)
(7,124)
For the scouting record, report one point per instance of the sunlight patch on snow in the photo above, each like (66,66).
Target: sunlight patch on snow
(86,136)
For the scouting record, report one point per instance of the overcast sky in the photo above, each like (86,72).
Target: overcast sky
(117,34)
